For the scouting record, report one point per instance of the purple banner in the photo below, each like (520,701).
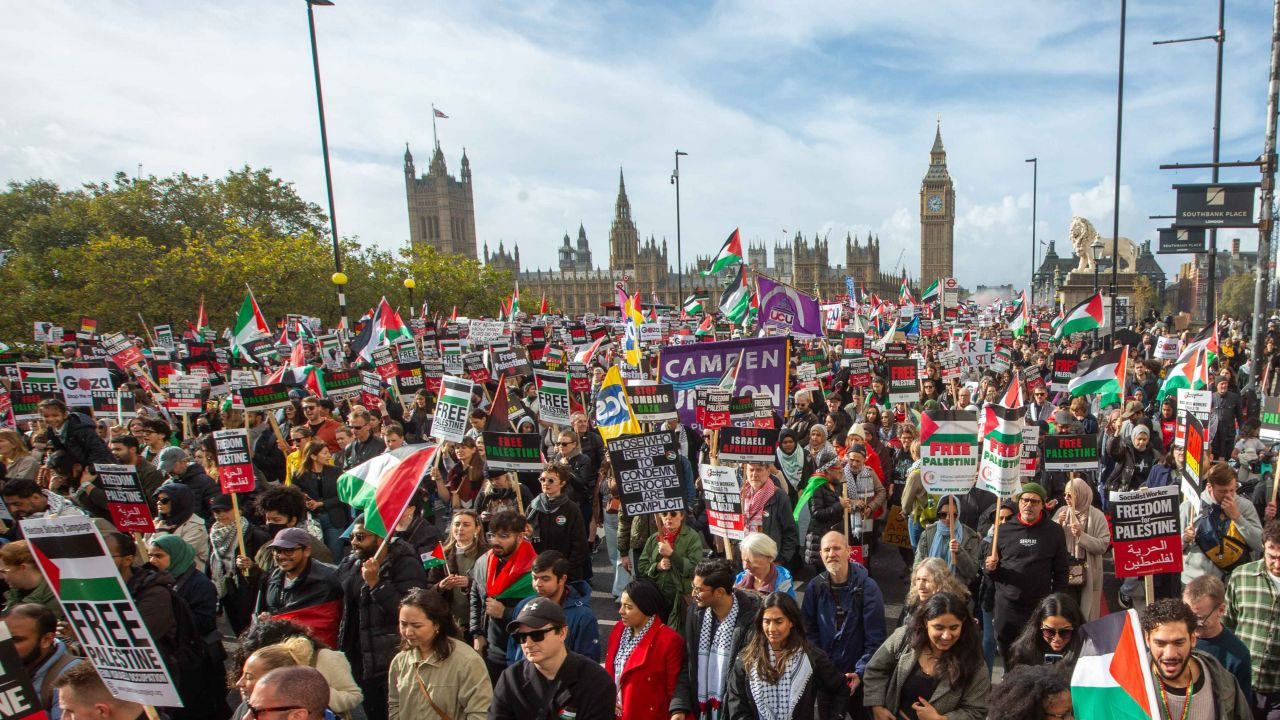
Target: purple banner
(784,306)
(762,371)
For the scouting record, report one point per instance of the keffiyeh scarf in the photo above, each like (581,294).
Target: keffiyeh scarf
(715,658)
(223,565)
(775,701)
(627,645)
(753,503)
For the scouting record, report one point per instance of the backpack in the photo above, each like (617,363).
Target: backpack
(1220,539)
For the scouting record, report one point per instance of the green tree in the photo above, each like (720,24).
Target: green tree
(1236,297)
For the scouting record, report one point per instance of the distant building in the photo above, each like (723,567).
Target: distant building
(937,217)
(442,211)
(1192,288)
(1054,268)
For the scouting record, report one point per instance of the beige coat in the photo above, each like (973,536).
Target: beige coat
(459,685)
(1091,545)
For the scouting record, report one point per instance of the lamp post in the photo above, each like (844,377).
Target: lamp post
(1096,249)
(328,172)
(675,180)
(409,285)
(1115,220)
(1035,177)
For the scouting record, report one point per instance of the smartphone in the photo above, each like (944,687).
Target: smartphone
(1052,658)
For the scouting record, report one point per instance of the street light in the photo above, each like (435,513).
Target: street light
(1035,177)
(409,285)
(1096,248)
(675,180)
(328,172)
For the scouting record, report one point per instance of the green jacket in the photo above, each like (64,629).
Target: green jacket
(42,594)
(677,582)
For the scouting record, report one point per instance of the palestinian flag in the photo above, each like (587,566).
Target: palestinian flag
(933,292)
(948,427)
(1013,397)
(384,328)
(250,326)
(1081,318)
(434,558)
(735,302)
(1104,375)
(1021,319)
(322,620)
(904,293)
(515,300)
(382,487)
(693,304)
(730,253)
(514,580)
(542,306)
(77,567)
(1209,338)
(1191,371)
(1003,425)
(706,327)
(1112,679)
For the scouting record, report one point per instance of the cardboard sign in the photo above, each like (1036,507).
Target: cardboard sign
(713,407)
(652,402)
(1145,532)
(1070,452)
(948,451)
(1270,430)
(723,495)
(186,395)
(648,473)
(18,697)
(904,380)
(473,366)
(453,410)
(235,468)
(1166,348)
(125,501)
(75,562)
(553,396)
(895,529)
(265,397)
(747,444)
(515,452)
(859,372)
(1064,370)
(484,332)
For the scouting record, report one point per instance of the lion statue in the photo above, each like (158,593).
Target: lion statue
(1082,235)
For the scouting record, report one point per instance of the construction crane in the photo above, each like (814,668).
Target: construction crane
(898,263)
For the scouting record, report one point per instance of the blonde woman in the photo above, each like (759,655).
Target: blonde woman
(930,577)
(19,463)
(1088,539)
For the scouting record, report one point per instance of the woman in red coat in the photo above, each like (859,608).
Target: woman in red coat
(645,656)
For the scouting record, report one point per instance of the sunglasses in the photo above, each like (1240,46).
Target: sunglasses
(944,516)
(360,536)
(562,443)
(162,501)
(253,712)
(1049,633)
(534,635)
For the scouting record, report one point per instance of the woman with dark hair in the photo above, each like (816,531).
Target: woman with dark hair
(344,694)
(175,515)
(779,675)
(1039,692)
(794,462)
(931,668)
(645,656)
(435,674)
(466,477)
(317,478)
(555,522)
(1051,636)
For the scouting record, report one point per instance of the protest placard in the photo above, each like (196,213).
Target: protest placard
(648,474)
(1195,460)
(473,366)
(974,353)
(80,386)
(26,405)
(453,409)
(713,407)
(235,468)
(1030,450)
(747,444)
(409,378)
(384,363)
(371,388)
(1070,452)
(1194,402)
(515,452)
(38,377)
(1270,430)
(164,336)
(723,495)
(1166,348)
(652,402)
(125,501)
(509,361)
(1145,533)
(948,451)
(579,378)
(553,396)
(339,384)
(950,365)
(895,529)
(18,697)
(484,332)
(904,381)
(76,565)
(1001,466)
(859,371)
(6,410)
(265,397)
(186,395)
(852,344)
(1064,371)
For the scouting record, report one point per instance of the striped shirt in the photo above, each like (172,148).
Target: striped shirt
(1253,604)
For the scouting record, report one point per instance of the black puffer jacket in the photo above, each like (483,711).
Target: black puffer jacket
(79,439)
(369,634)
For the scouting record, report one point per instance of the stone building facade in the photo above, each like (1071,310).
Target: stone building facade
(442,210)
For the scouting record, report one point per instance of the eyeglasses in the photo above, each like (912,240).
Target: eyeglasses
(162,501)
(1048,633)
(1030,501)
(944,516)
(534,635)
(253,712)
(357,427)
(563,443)
(360,536)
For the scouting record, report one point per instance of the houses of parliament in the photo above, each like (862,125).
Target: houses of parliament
(442,216)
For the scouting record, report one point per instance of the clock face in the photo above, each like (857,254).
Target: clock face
(935,203)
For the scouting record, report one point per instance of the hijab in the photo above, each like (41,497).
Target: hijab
(181,556)
(792,464)
(1081,497)
(182,503)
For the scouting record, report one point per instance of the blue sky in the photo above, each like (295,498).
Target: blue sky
(813,116)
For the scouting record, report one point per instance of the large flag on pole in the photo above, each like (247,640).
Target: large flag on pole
(1190,371)
(384,328)
(1112,678)
(933,292)
(382,487)
(1083,317)
(784,306)
(730,253)
(1018,326)
(614,416)
(1104,375)
(736,299)
(249,326)
(631,347)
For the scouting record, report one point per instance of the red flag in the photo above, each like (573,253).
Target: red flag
(454,314)
(322,620)
(542,308)
(202,320)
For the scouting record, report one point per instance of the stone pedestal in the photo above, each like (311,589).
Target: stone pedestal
(1079,285)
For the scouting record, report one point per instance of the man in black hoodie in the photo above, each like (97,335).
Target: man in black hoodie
(1030,563)
(175,463)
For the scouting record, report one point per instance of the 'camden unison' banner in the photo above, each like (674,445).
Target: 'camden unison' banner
(75,562)
(763,370)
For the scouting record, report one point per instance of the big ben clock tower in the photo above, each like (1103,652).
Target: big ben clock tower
(937,217)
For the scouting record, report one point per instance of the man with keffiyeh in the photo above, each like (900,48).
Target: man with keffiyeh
(716,628)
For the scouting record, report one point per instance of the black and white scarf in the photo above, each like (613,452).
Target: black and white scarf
(776,701)
(715,659)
